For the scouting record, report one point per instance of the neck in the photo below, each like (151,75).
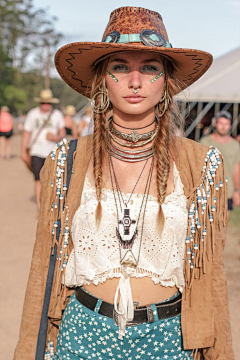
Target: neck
(134,121)
(221,138)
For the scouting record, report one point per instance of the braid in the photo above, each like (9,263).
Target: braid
(167,128)
(99,136)
(163,164)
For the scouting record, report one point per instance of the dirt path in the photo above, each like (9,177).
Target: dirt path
(18,216)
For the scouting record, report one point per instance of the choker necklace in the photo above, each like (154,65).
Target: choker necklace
(144,127)
(133,140)
(132,145)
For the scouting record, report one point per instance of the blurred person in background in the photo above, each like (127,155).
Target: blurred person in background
(70,125)
(43,128)
(230,150)
(6,132)
(85,126)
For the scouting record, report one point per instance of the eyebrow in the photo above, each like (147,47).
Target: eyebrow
(126,62)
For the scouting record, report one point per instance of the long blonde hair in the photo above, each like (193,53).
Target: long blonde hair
(169,125)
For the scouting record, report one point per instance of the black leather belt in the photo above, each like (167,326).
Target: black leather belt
(142,314)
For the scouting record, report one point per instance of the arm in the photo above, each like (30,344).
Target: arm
(74,131)
(81,125)
(236,179)
(56,138)
(222,347)
(32,308)
(25,141)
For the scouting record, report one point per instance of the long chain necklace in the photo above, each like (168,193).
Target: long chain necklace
(127,227)
(128,231)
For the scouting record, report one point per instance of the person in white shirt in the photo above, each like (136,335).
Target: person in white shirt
(43,128)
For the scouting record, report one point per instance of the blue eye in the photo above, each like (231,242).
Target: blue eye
(120,68)
(150,68)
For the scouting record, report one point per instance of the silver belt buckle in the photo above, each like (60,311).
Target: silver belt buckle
(115,316)
(150,315)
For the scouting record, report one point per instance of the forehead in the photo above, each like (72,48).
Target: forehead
(223,120)
(134,55)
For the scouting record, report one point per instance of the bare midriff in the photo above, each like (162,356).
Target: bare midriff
(144,291)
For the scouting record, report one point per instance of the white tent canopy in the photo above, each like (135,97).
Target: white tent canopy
(220,84)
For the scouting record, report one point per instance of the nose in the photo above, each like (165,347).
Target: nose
(135,80)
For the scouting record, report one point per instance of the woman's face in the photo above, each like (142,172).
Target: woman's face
(135,70)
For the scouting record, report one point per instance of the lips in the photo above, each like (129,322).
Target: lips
(134,98)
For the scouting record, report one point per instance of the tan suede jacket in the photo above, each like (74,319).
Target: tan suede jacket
(205,316)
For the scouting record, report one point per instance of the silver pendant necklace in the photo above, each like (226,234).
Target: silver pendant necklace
(127,223)
(127,229)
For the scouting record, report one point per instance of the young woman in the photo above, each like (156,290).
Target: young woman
(139,235)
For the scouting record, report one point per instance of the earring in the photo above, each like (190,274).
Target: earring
(163,96)
(104,102)
(166,102)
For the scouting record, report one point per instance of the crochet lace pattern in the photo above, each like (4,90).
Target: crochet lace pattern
(95,257)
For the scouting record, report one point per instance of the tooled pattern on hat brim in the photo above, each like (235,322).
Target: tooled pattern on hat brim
(73,56)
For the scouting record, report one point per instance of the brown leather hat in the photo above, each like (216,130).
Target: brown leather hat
(129,28)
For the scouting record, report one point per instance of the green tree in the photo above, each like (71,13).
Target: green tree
(27,42)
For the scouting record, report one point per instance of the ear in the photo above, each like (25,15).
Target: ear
(214,121)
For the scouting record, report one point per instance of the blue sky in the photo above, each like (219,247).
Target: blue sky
(210,25)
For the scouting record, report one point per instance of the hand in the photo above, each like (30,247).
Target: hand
(24,156)
(50,137)
(236,198)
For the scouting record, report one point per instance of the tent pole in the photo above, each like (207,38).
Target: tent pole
(216,108)
(198,118)
(235,119)
(197,129)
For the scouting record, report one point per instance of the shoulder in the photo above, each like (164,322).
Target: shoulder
(235,144)
(33,112)
(205,140)
(58,115)
(191,148)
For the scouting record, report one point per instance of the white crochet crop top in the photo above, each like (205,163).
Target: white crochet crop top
(95,256)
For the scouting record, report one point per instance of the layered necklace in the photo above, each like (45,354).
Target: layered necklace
(134,140)
(127,225)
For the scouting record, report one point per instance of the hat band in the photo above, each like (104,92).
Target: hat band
(147,37)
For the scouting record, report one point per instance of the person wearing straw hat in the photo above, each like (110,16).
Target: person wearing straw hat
(138,234)
(70,125)
(43,128)
(6,132)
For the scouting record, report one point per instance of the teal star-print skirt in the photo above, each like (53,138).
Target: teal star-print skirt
(85,334)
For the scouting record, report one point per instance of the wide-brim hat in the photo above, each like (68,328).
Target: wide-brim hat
(46,96)
(70,110)
(129,28)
